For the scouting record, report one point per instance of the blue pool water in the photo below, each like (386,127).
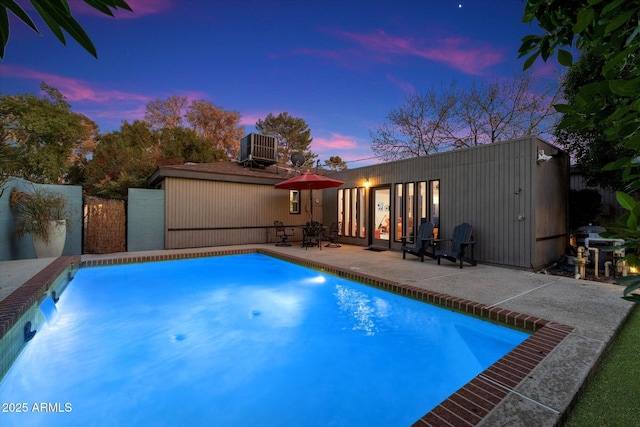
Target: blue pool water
(241,340)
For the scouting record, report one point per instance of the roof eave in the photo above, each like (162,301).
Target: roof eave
(161,173)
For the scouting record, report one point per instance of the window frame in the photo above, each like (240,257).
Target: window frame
(294,202)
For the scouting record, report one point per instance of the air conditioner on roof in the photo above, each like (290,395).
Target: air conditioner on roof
(258,150)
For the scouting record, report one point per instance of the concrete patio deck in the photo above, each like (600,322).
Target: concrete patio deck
(594,310)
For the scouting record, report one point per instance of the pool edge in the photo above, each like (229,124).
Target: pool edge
(19,310)
(15,305)
(468,406)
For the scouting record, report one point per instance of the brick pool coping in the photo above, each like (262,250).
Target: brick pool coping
(22,298)
(466,407)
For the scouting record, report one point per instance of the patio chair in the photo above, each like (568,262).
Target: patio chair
(282,233)
(423,241)
(458,244)
(333,235)
(312,234)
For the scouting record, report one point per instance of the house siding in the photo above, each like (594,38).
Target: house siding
(203,213)
(490,187)
(551,209)
(517,206)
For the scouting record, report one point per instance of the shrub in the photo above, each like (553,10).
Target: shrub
(34,211)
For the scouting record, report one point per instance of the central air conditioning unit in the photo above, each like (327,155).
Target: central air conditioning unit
(258,150)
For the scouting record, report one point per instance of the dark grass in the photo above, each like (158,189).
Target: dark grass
(612,396)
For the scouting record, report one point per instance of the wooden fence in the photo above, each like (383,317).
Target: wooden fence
(104,226)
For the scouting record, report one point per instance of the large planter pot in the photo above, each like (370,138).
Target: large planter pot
(55,246)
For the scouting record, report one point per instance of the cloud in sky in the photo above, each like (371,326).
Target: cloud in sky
(336,141)
(108,106)
(111,118)
(550,69)
(349,148)
(406,87)
(456,52)
(97,103)
(73,89)
(251,119)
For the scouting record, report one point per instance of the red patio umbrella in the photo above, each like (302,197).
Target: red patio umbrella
(309,181)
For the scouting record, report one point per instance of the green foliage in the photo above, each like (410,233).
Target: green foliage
(125,158)
(584,207)
(40,134)
(292,134)
(632,283)
(57,15)
(627,228)
(43,141)
(122,159)
(181,145)
(33,211)
(589,146)
(8,154)
(610,31)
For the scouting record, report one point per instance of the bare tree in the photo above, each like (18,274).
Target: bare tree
(484,113)
(423,125)
(166,114)
(498,110)
(220,126)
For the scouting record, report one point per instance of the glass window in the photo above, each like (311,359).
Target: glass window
(351,205)
(361,204)
(294,201)
(355,219)
(423,210)
(409,208)
(398,211)
(435,206)
(347,212)
(340,211)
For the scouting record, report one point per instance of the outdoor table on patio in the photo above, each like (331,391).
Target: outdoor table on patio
(313,240)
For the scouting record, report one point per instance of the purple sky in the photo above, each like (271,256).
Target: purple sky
(341,65)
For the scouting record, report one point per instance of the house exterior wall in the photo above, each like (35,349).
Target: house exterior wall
(145,220)
(499,189)
(201,213)
(551,180)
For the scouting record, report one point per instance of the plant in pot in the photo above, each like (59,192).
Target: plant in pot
(43,214)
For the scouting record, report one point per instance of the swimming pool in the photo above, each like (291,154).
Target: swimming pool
(244,340)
